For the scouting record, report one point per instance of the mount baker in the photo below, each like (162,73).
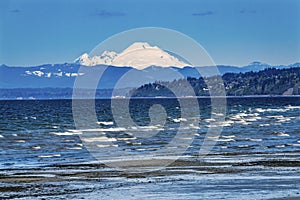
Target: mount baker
(139,55)
(140,60)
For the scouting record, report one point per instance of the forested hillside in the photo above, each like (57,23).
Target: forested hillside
(266,82)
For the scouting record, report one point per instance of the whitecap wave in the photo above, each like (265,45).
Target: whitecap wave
(74,148)
(107,145)
(281,134)
(292,107)
(228,136)
(179,120)
(106,123)
(49,156)
(99,139)
(68,133)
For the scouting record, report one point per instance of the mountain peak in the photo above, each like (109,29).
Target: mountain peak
(140,45)
(83,59)
(139,55)
(257,63)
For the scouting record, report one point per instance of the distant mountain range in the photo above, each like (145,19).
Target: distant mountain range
(138,64)
(270,81)
(63,75)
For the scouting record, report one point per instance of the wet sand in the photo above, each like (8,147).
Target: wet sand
(187,178)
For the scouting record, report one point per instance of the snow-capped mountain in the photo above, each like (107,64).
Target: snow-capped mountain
(139,55)
(106,58)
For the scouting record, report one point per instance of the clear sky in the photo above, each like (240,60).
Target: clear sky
(234,32)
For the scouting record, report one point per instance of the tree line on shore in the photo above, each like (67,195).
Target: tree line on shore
(270,81)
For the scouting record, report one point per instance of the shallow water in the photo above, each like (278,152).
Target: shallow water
(256,156)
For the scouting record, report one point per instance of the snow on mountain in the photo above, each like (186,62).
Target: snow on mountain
(84,59)
(105,59)
(139,55)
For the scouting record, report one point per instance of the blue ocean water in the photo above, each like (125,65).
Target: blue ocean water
(259,142)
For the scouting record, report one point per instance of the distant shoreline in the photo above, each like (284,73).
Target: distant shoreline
(158,97)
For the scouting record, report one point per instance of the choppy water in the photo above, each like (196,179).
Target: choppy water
(256,156)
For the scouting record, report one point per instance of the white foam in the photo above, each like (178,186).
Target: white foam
(149,127)
(276,116)
(272,110)
(213,137)
(124,139)
(250,120)
(149,149)
(36,147)
(217,114)
(134,143)
(99,139)
(193,126)
(226,140)
(106,145)
(106,123)
(75,131)
(184,138)
(292,107)
(226,123)
(243,146)
(243,114)
(69,140)
(229,121)
(255,140)
(172,147)
(134,127)
(223,147)
(243,122)
(1,136)
(295,145)
(111,129)
(74,148)
(179,120)
(264,125)
(282,134)
(235,117)
(49,156)
(211,126)
(228,136)
(209,120)
(105,129)
(66,133)
(43,175)
(144,128)
(21,141)
(284,120)
(15,135)
(280,146)
(260,110)
(254,114)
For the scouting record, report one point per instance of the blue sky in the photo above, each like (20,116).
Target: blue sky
(234,32)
